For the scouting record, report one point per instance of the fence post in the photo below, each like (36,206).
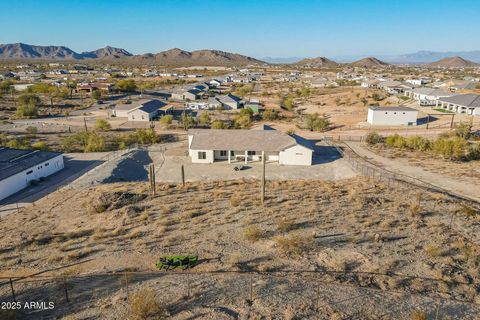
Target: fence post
(183,176)
(126,284)
(13,291)
(188,284)
(437,310)
(251,287)
(66,289)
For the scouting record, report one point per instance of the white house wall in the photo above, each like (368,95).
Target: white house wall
(209,156)
(391,118)
(296,155)
(21,180)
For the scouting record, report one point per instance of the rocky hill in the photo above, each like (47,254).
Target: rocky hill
(369,62)
(172,57)
(454,62)
(319,62)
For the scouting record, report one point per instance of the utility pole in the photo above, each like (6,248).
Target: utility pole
(263,177)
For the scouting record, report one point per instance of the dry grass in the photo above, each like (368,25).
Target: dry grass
(294,244)
(253,233)
(144,305)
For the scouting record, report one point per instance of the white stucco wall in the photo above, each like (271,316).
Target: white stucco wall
(296,155)
(195,159)
(392,118)
(138,115)
(21,180)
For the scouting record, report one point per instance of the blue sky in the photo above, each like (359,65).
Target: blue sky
(257,28)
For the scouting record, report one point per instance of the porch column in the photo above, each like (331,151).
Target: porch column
(229,161)
(246,155)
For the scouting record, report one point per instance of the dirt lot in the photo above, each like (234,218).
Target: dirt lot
(347,226)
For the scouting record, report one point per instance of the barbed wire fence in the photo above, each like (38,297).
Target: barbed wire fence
(238,289)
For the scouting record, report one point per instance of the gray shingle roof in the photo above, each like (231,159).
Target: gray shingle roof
(13,161)
(253,140)
(151,105)
(467,100)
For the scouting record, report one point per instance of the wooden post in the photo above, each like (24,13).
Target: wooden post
(183,176)
(154,180)
(428,120)
(13,291)
(66,289)
(188,284)
(263,177)
(451,123)
(251,287)
(85,123)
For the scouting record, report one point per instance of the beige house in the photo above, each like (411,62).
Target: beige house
(208,146)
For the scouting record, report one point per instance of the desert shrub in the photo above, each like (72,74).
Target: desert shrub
(463,130)
(31,130)
(145,136)
(293,245)
(235,201)
(253,233)
(144,304)
(28,105)
(166,119)
(315,122)
(287,103)
(418,315)
(395,141)
(40,145)
(432,251)
(374,138)
(285,224)
(94,143)
(270,114)
(451,149)
(204,118)
(418,143)
(218,124)
(102,124)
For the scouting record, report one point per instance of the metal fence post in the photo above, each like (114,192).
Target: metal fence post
(66,289)
(13,291)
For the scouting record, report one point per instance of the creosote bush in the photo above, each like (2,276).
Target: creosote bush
(253,233)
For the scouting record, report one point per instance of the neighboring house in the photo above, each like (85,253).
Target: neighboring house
(210,145)
(229,101)
(461,103)
(196,105)
(419,82)
(427,96)
(215,83)
(21,87)
(147,110)
(19,167)
(372,83)
(191,94)
(122,110)
(90,87)
(392,116)
(394,87)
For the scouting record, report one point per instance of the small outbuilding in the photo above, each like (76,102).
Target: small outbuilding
(392,116)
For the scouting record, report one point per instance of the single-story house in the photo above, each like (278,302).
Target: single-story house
(21,87)
(369,83)
(191,94)
(90,87)
(427,96)
(392,116)
(461,103)
(196,105)
(147,110)
(394,87)
(210,145)
(228,101)
(19,167)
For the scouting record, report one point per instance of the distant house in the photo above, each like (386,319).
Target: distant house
(392,116)
(188,94)
(419,82)
(427,96)
(18,168)
(461,103)
(147,110)
(228,101)
(215,83)
(208,146)
(197,105)
(370,83)
(394,87)
(90,87)
(21,87)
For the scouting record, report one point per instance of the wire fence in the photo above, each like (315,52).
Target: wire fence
(270,292)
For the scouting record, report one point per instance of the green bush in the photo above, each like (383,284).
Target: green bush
(270,114)
(453,149)
(102,125)
(315,122)
(218,124)
(374,138)
(418,143)
(166,119)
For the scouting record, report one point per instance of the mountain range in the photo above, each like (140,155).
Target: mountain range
(173,57)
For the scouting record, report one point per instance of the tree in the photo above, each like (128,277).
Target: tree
(102,125)
(374,138)
(204,118)
(96,94)
(126,85)
(28,105)
(187,121)
(71,85)
(146,136)
(94,143)
(287,103)
(315,122)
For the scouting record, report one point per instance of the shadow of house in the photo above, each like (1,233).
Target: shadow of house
(133,167)
(425,120)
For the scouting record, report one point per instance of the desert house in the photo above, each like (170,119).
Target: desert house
(18,168)
(90,87)
(427,96)
(392,116)
(461,103)
(148,110)
(211,145)
(228,102)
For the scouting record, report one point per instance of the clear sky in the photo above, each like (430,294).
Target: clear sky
(277,28)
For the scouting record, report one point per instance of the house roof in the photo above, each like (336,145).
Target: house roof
(432,92)
(228,98)
(151,106)
(13,161)
(467,100)
(397,108)
(253,140)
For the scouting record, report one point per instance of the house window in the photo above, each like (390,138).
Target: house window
(232,153)
(251,153)
(394,113)
(30,172)
(46,164)
(202,155)
(143,118)
(133,117)
(386,112)
(223,153)
(404,113)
